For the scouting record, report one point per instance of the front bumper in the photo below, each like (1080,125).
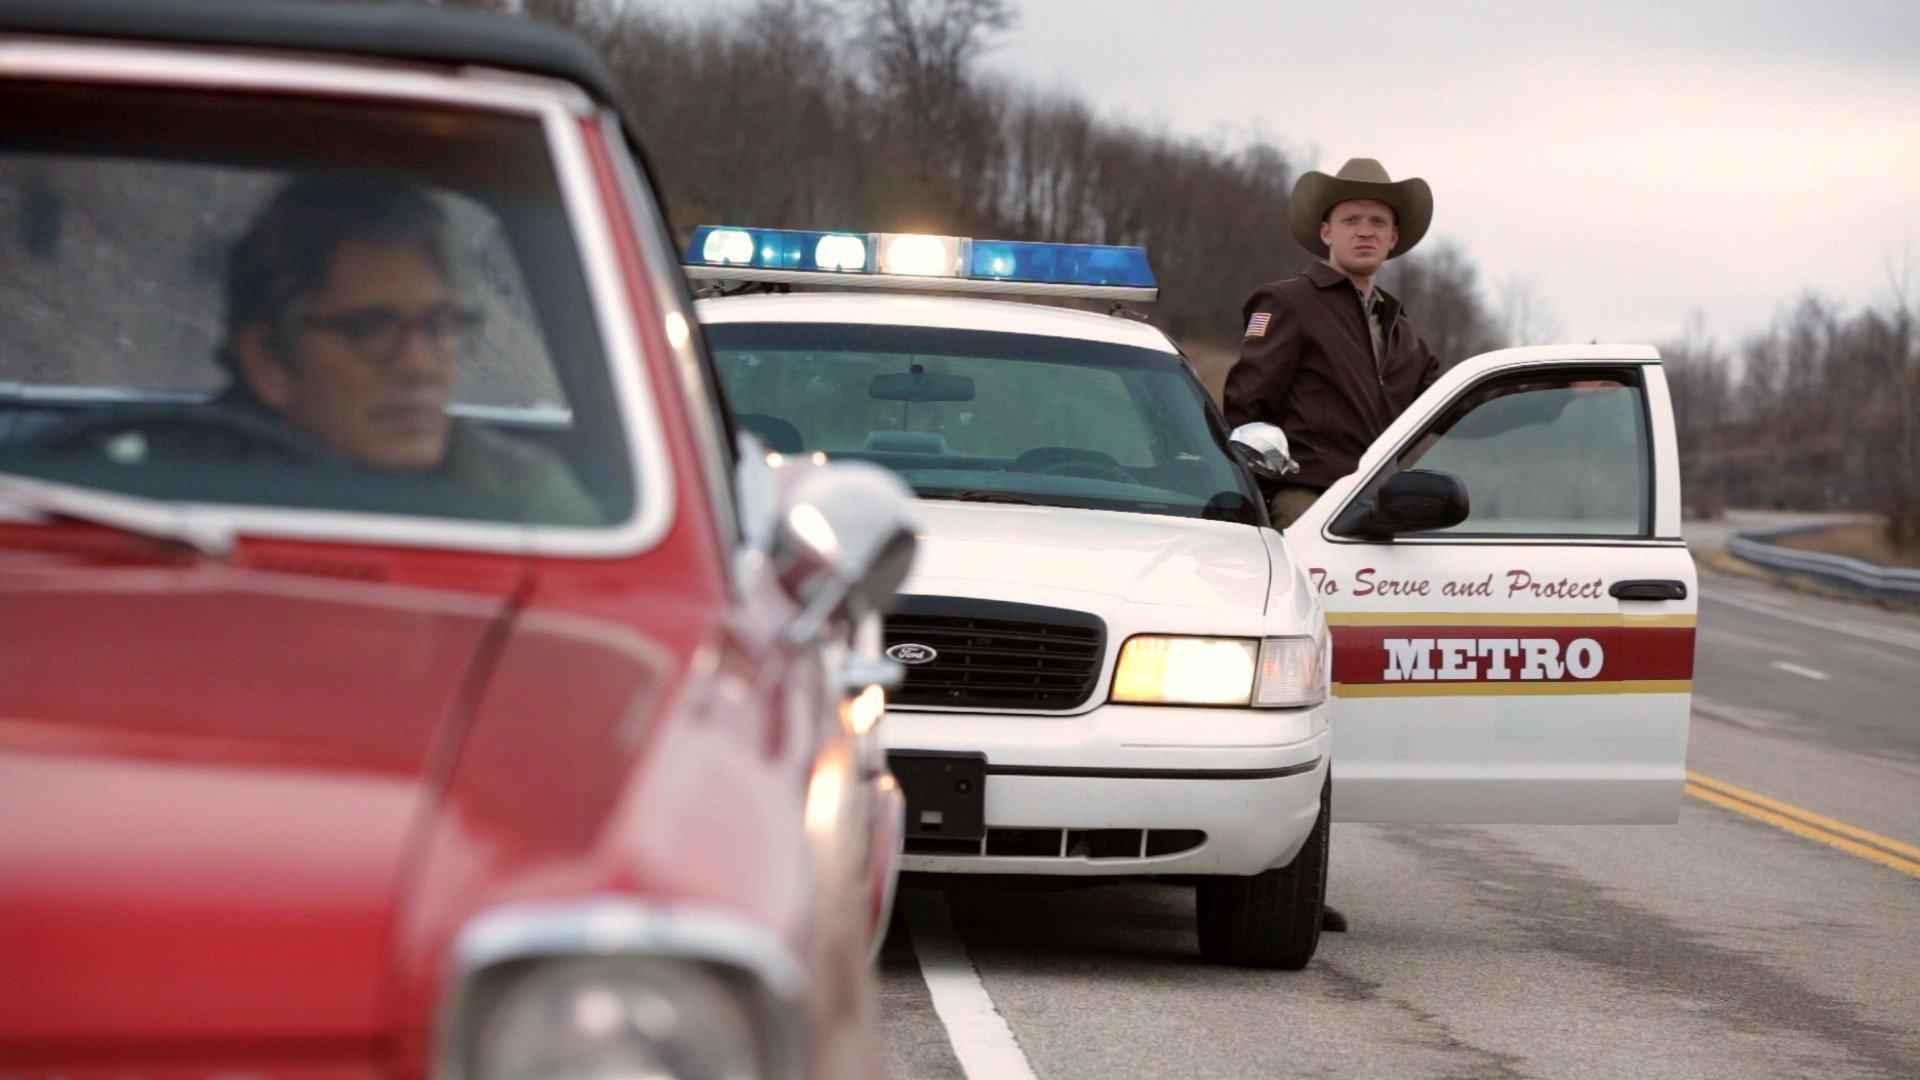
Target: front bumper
(1249,779)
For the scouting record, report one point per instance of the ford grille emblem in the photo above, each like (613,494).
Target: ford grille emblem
(908,653)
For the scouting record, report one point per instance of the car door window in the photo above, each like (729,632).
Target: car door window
(1561,455)
(386,315)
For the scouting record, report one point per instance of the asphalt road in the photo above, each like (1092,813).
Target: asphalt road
(1725,946)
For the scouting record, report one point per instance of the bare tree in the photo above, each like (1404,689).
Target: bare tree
(923,55)
(1902,501)
(1441,292)
(873,115)
(1700,379)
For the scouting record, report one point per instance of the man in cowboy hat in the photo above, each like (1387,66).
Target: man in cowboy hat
(1329,356)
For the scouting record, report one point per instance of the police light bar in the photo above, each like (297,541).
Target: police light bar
(919,261)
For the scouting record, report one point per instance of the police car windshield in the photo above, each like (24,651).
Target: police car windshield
(982,416)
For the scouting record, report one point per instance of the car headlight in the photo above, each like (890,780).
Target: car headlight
(631,1018)
(1279,672)
(1185,670)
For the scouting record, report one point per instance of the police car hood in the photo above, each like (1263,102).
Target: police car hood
(991,548)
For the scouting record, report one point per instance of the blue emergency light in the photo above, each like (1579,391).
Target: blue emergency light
(919,261)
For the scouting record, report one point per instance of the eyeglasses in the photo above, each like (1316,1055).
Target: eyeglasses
(380,333)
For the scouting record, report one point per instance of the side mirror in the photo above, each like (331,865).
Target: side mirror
(843,542)
(1417,500)
(1263,449)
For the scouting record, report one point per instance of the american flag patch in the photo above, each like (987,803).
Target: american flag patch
(1257,326)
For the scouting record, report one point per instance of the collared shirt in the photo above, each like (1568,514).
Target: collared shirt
(1311,362)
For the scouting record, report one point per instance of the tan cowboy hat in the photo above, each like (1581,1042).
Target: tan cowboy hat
(1360,178)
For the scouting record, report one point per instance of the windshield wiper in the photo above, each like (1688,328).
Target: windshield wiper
(45,500)
(985,495)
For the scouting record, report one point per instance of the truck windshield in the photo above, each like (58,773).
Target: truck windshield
(991,417)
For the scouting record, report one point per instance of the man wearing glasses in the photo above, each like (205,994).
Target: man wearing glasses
(343,321)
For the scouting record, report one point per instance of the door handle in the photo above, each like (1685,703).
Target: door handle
(1648,590)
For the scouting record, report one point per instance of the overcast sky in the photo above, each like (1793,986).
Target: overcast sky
(1635,160)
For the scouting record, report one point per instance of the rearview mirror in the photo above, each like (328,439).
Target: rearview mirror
(920,385)
(1417,500)
(1263,449)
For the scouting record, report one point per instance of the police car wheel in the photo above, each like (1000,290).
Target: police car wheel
(1272,919)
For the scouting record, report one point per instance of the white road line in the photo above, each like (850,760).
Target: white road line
(1884,637)
(1803,672)
(981,1038)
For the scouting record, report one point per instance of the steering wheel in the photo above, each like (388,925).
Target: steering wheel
(1073,461)
(129,435)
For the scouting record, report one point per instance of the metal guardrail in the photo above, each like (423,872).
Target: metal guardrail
(1900,585)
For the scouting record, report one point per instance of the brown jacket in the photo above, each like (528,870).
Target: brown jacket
(1308,367)
(517,479)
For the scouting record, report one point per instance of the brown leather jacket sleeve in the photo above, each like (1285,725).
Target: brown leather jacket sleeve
(1258,382)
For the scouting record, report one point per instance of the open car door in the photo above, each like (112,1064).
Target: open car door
(1534,661)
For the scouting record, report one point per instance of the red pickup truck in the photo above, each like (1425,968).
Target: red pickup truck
(404,671)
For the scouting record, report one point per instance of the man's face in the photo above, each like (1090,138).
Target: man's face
(374,358)
(1359,234)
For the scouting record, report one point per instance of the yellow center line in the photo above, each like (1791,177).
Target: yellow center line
(1849,838)
(1808,816)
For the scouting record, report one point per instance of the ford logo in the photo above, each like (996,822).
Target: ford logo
(908,653)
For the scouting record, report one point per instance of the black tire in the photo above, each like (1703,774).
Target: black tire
(1272,919)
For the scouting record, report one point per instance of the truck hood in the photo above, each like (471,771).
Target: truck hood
(209,780)
(1139,558)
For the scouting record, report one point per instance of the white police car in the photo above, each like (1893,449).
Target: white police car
(1116,667)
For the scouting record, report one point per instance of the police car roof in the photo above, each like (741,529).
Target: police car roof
(395,31)
(949,312)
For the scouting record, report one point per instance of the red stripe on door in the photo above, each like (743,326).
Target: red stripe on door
(1385,654)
